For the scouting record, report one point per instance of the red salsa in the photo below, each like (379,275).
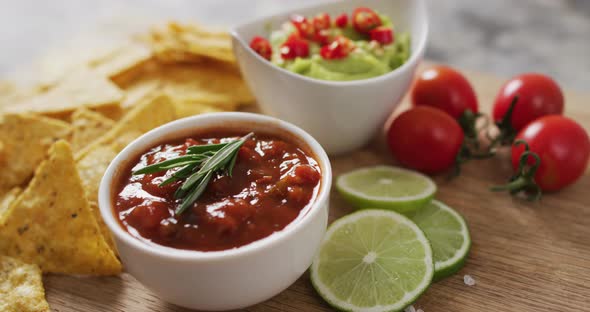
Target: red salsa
(272,181)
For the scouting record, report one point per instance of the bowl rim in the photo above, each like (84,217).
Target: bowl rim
(151,137)
(414,57)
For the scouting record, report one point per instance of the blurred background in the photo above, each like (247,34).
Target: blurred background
(504,37)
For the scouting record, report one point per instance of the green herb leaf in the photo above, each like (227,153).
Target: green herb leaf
(199,149)
(199,166)
(195,193)
(169,164)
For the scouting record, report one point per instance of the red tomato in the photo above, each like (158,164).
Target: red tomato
(444,88)
(563,146)
(321,21)
(338,49)
(341,20)
(365,19)
(149,215)
(304,27)
(382,34)
(261,46)
(295,46)
(425,139)
(323,37)
(538,95)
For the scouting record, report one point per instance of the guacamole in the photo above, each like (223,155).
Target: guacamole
(366,57)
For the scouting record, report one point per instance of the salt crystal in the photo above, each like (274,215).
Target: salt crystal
(468,280)
(410,309)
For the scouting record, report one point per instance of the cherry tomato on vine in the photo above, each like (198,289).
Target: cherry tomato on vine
(365,19)
(563,147)
(538,95)
(262,47)
(425,139)
(446,89)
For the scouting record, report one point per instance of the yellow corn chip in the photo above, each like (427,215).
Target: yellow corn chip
(87,127)
(21,287)
(192,42)
(210,83)
(186,109)
(140,90)
(6,200)
(82,88)
(93,161)
(51,224)
(26,139)
(123,63)
(91,169)
(114,112)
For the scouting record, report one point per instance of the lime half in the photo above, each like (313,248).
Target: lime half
(386,187)
(448,235)
(373,260)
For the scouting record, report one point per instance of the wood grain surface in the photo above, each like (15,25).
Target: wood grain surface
(525,256)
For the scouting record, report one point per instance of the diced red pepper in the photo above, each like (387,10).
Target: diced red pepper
(338,49)
(295,46)
(305,28)
(321,21)
(261,46)
(307,175)
(323,37)
(341,20)
(149,215)
(382,34)
(365,19)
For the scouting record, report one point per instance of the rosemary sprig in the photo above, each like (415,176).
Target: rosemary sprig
(199,165)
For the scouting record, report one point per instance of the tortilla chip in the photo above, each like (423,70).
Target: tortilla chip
(93,161)
(139,90)
(51,224)
(82,88)
(26,139)
(123,63)
(11,94)
(91,169)
(190,42)
(87,127)
(6,200)
(21,287)
(187,109)
(114,112)
(210,83)
(7,88)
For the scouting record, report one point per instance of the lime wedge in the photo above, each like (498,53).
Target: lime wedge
(372,260)
(448,235)
(386,188)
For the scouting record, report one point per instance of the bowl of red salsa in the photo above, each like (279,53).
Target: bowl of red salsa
(207,207)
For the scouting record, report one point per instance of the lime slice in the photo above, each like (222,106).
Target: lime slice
(387,188)
(448,235)
(372,260)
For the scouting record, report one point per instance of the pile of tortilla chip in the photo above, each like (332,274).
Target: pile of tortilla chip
(58,138)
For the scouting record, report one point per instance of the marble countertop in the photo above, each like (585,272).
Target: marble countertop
(504,37)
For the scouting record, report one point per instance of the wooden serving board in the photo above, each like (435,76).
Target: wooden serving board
(524,257)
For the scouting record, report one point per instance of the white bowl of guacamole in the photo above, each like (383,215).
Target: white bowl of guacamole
(367,60)
(342,102)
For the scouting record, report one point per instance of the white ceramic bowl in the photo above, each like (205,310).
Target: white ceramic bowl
(342,116)
(228,279)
